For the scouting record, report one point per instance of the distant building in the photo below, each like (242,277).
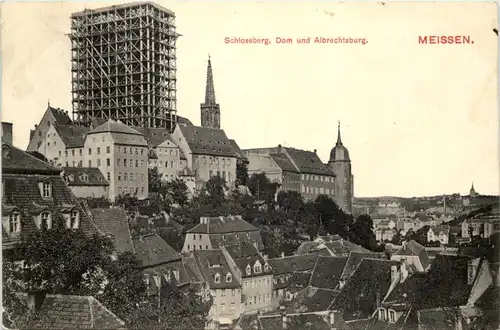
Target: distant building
(439,233)
(86,182)
(414,254)
(163,153)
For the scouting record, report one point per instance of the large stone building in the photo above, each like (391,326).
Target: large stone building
(304,172)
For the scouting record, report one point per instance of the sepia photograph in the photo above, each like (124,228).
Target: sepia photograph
(250,165)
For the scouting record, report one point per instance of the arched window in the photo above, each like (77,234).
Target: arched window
(229,277)
(217,278)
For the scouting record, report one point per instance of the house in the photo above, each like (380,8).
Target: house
(353,262)
(414,254)
(284,268)
(35,196)
(385,234)
(483,226)
(70,312)
(439,233)
(332,245)
(164,154)
(255,273)
(208,152)
(212,232)
(86,182)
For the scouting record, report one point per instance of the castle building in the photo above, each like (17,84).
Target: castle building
(304,172)
(210,110)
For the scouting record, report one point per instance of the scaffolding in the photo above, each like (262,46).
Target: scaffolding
(124,65)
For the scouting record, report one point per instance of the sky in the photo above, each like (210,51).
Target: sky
(417,119)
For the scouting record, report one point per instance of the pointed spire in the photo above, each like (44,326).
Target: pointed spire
(209,88)
(48,103)
(339,139)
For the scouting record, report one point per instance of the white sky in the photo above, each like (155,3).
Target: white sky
(417,119)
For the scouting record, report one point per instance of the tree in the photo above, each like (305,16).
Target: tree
(215,187)
(154,181)
(331,216)
(262,189)
(183,309)
(65,261)
(362,232)
(14,309)
(178,192)
(242,172)
(290,201)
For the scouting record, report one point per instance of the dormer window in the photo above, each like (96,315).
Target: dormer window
(381,314)
(14,223)
(73,221)
(257,268)
(46,189)
(45,220)
(71,178)
(249,270)
(84,178)
(217,278)
(229,277)
(266,267)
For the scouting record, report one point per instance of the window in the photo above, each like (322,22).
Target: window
(108,176)
(119,176)
(381,314)
(46,190)
(233,292)
(98,151)
(249,270)
(108,149)
(266,268)
(257,268)
(217,278)
(90,163)
(98,162)
(194,236)
(45,220)
(392,316)
(136,151)
(136,163)
(124,150)
(108,162)
(80,151)
(72,152)
(125,162)
(131,176)
(74,220)
(223,293)
(14,222)
(125,176)
(90,151)
(229,278)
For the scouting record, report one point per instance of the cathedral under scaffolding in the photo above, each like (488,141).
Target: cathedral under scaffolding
(123,65)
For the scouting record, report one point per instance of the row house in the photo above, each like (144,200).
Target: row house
(213,232)
(296,170)
(35,196)
(208,153)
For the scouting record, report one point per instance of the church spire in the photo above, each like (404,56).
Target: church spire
(339,139)
(209,88)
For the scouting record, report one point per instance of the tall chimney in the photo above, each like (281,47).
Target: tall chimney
(7,132)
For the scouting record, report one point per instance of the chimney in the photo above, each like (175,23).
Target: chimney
(403,271)
(315,150)
(405,245)
(282,254)
(280,149)
(35,300)
(331,317)
(394,273)
(265,257)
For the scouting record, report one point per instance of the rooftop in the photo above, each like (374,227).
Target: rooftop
(152,250)
(84,176)
(114,222)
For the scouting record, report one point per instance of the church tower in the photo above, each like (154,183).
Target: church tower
(210,111)
(340,163)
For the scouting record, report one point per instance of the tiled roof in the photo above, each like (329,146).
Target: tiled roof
(113,126)
(272,322)
(246,254)
(370,281)
(408,291)
(327,271)
(22,193)
(72,135)
(313,300)
(414,249)
(402,322)
(444,228)
(61,116)
(212,262)
(114,222)
(308,162)
(237,149)
(343,247)
(153,250)
(155,136)
(84,176)
(236,238)
(184,120)
(74,312)
(440,318)
(355,259)
(207,141)
(298,281)
(290,264)
(284,163)
(220,225)
(15,160)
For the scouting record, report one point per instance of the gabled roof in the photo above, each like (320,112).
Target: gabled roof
(212,262)
(155,136)
(237,149)
(308,162)
(74,312)
(17,161)
(290,264)
(441,318)
(245,255)
(327,272)
(284,163)
(207,141)
(312,300)
(184,120)
(354,260)
(84,176)
(112,126)
(221,225)
(72,135)
(61,116)
(438,229)
(152,250)
(114,222)
(412,248)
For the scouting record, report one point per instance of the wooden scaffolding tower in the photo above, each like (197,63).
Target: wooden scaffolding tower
(123,65)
